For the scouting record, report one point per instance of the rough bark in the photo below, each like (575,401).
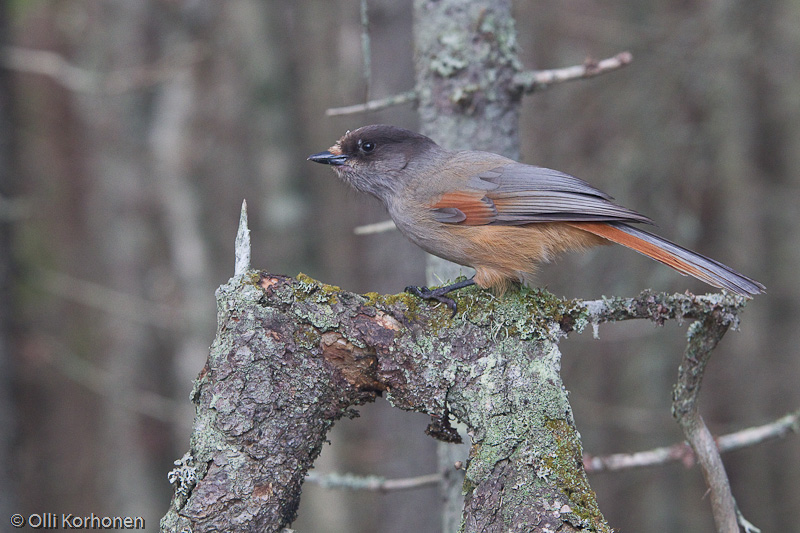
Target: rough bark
(465,66)
(292,356)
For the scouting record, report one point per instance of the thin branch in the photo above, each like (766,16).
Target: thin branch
(683,452)
(372,483)
(109,300)
(704,335)
(100,382)
(746,525)
(593,464)
(535,80)
(623,461)
(377,227)
(755,435)
(528,81)
(52,65)
(374,105)
(660,307)
(82,80)
(365,45)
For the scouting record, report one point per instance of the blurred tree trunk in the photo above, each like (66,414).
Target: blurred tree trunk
(9,217)
(123,186)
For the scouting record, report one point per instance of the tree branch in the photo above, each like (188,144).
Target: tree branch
(713,315)
(376,227)
(78,79)
(292,356)
(372,483)
(374,105)
(526,81)
(683,452)
(703,335)
(660,307)
(593,464)
(534,80)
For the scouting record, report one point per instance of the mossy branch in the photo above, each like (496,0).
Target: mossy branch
(293,355)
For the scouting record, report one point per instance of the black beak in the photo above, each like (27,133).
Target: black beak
(327,158)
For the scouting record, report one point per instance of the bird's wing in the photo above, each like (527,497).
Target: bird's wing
(515,194)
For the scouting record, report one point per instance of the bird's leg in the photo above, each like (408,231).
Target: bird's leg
(438,294)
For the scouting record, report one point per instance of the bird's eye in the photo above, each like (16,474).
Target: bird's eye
(367,146)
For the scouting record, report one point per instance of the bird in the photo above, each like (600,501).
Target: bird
(496,215)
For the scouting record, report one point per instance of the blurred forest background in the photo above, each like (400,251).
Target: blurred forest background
(132,130)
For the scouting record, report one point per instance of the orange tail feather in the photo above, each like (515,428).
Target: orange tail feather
(681,259)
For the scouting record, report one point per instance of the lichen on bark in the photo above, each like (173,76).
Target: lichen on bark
(292,356)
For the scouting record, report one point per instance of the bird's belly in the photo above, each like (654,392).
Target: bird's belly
(500,253)
(435,238)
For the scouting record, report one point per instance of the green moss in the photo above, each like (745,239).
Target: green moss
(525,313)
(572,480)
(372,298)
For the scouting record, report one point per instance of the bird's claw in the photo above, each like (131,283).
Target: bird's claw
(434,294)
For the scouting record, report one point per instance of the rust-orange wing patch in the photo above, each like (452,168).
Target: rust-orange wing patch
(467,208)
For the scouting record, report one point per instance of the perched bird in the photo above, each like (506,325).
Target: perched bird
(496,215)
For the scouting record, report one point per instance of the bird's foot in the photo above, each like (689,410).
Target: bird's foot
(439,293)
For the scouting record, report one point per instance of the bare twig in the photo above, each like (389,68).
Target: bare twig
(624,461)
(82,80)
(52,65)
(755,435)
(703,335)
(660,307)
(683,452)
(377,227)
(535,80)
(746,525)
(374,483)
(365,46)
(100,382)
(527,81)
(374,105)
(593,464)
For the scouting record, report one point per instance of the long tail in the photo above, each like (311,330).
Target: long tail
(684,261)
